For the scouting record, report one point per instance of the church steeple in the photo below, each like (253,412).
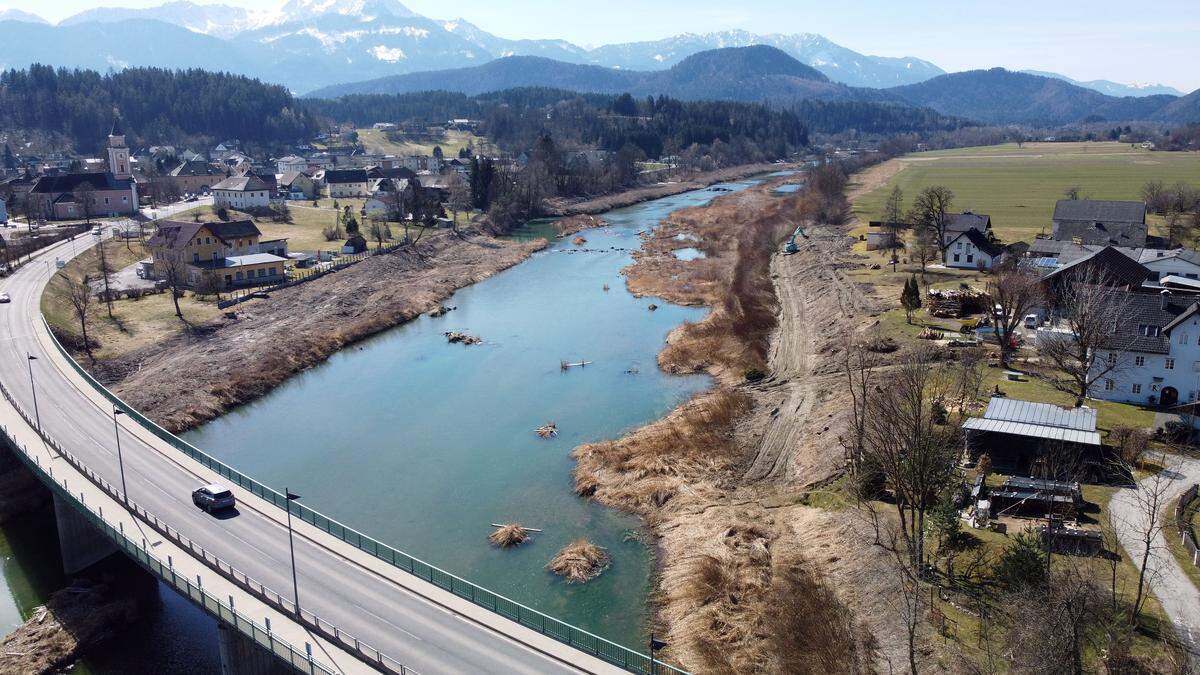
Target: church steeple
(118,153)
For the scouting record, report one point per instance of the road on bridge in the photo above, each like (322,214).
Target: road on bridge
(412,621)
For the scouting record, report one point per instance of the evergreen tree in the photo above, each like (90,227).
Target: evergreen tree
(9,161)
(910,297)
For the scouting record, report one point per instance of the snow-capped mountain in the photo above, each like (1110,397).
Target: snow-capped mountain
(1114,88)
(218,20)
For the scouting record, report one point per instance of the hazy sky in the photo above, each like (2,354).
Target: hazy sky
(1152,41)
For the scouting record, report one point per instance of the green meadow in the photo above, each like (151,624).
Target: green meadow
(1017,187)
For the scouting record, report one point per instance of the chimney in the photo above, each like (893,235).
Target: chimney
(1165,296)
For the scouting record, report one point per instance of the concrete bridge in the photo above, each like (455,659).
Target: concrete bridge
(121,484)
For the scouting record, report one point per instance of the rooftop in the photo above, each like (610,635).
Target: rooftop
(1037,420)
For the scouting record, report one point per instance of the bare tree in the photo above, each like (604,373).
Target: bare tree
(1050,625)
(1072,192)
(380,231)
(1149,498)
(1012,292)
(925,246)
(931,211)
(893,217)
(79,294)
(914,453)
(1094,344)
(104,270)
(172,269)
(968,375)
(858,366)
(85,196)
(459,198)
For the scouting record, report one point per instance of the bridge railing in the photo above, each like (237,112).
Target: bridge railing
(328,630)
(572,636)
(140,553)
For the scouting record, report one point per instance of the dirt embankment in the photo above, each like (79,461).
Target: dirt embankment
(198,375)
(564,207)
(753,578)
(76,618)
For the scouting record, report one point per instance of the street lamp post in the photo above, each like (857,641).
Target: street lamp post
(30,358)
(292,547)
(120,460)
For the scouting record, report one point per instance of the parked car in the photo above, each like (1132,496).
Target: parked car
(4,298)
(1031,320)
(213,497)
(97,231)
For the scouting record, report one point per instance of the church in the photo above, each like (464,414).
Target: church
(76,196)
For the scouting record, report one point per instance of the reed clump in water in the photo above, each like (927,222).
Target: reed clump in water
(580,561)
(509,535)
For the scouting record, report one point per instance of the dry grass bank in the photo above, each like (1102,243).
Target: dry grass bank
(740,590)
(192,377)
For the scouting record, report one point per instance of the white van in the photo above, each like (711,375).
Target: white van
(1031,321)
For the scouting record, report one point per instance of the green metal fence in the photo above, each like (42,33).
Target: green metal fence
(577,638)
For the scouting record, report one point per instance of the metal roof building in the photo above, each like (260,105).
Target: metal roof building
(1037,420)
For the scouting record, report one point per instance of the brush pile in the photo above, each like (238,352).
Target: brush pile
(580,561)
(509,535)
(548,430)
(456,337)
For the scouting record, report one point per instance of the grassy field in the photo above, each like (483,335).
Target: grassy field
(377,142)
(1017,187)
(303,233)
(135,323)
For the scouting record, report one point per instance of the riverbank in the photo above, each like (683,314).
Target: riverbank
(753,576)
(597,205)
(184,380)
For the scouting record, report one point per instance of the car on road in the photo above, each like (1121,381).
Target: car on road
(213,497)
(97,231)
(4,298)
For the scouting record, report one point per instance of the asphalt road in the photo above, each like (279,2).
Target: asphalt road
(1173,588)
(388,615)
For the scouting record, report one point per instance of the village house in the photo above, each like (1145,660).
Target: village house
(1106,223)
(82,195)
(957,223)
(346,183)
(242,192)
(1154,351)
(224,254)
(195,176)
(296,185)
(291,164)
(971,249)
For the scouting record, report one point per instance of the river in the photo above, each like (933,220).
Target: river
(423,444)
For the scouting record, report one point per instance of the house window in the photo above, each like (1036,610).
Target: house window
(1137,388)
(1139,361)
(1109,385)
(1183,338)
(195,257)
(1149,330)
(955,257)
(1112,358)
(970,258)
(106,200)
(1169,364)
(238,276)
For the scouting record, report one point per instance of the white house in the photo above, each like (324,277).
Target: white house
(346,183)
(1154,353)
(291,164)
(972,250)
(242,192)
(1179,262)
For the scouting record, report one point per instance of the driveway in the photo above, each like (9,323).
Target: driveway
(1178,595)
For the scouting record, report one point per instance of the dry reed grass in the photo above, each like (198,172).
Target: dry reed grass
(509,535)
(580,561)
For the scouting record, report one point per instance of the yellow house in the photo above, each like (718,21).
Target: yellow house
(223,254)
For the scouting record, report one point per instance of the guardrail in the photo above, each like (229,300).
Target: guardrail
(300,661)
(572,636)
(328,630)
(1184,510)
